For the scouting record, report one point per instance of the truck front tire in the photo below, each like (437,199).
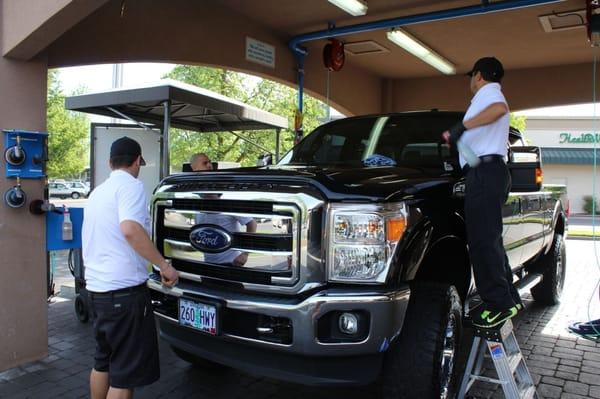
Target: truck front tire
(423,361)
(553,267)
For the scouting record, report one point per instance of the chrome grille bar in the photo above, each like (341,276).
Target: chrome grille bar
(281,218)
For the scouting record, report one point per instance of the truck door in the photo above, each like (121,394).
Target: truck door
(525,169)
(512,228)
(533,224)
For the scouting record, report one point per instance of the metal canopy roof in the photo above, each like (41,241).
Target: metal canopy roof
(192,108)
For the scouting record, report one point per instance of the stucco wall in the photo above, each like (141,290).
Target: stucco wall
(23,307)
(523,88)
(578,179)
(189,32)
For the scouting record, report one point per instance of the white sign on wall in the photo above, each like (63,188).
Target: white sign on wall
(562,138)
(260,52)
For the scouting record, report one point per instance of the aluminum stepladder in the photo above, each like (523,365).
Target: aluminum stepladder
(503,349)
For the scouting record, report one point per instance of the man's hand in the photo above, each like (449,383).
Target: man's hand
(241,259)
(452,135)
(168,275)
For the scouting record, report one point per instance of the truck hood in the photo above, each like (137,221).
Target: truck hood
(334,183)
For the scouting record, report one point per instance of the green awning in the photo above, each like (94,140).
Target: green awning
(570,156)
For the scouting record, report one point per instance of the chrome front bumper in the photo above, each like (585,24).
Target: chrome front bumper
(386,312)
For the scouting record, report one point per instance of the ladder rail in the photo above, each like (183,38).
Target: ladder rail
(502,347)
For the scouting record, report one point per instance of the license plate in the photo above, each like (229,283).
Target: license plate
(200,316)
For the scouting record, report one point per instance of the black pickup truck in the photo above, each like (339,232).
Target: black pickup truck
(346,262)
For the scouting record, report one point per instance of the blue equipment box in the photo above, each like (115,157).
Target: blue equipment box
(54,223)
(34,146)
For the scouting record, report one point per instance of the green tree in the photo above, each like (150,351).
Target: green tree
(264,94)
(68,134)
(518,121)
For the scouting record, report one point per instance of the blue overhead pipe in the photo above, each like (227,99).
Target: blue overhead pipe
(484,8)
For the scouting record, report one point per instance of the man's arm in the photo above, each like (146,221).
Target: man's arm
(489,115)
(242,258)
(251,226)
(138,238)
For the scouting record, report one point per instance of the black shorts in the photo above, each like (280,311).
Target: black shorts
(126,342)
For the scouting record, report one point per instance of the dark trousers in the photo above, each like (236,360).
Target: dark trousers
(487,189)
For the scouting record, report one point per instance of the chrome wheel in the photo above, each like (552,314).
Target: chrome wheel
(448,356)
(560,272)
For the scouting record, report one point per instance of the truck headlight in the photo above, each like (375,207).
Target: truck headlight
(362,241)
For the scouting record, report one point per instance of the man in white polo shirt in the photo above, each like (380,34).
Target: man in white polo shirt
(484,130)
(116,251)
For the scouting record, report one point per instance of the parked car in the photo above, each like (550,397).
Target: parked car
(369,278)
(65,190)
(80,185)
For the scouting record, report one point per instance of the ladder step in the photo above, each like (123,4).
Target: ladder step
(528,393)
(502,347)
(514,361)
(486,379)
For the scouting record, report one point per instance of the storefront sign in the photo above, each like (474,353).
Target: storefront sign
(582,138)
(260,52)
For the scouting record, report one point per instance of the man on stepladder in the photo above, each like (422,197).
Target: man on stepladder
(484,130)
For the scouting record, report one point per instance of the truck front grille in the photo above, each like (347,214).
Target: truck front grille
(250,241)
(224,206)
(269,255)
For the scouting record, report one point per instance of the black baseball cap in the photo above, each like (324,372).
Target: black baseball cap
(126,146)
(491,69)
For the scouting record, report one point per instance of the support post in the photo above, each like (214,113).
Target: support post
(165,158)
(277,137)
(298,131)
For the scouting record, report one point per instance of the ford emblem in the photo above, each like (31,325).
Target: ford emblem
(210,239)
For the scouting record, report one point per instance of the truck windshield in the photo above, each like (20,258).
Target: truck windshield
(404,140)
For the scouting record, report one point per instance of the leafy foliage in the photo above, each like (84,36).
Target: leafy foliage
(261,93)
(68,139)
(589,207)
(518,121)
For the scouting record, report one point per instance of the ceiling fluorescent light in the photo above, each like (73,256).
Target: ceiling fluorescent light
(352,7)
(421,51)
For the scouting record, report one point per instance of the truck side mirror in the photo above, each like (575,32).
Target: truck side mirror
(525,166)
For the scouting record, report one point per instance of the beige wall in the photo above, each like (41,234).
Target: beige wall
(23,308)
(189,32)
(523,88)
(578,179)
(31,25)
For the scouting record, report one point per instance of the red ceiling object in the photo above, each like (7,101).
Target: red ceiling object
(333,55)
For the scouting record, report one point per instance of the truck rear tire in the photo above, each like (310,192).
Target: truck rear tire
(197,361)
(553,266)
(423,361)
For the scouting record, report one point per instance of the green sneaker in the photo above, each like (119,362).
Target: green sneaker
(491,318)
(519,306)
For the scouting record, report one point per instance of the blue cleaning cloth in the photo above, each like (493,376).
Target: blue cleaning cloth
(378,160)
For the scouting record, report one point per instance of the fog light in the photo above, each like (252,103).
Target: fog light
(348,323)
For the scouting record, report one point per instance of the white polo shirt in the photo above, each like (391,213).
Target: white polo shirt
(110,262)
(231,224)
(487,139)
